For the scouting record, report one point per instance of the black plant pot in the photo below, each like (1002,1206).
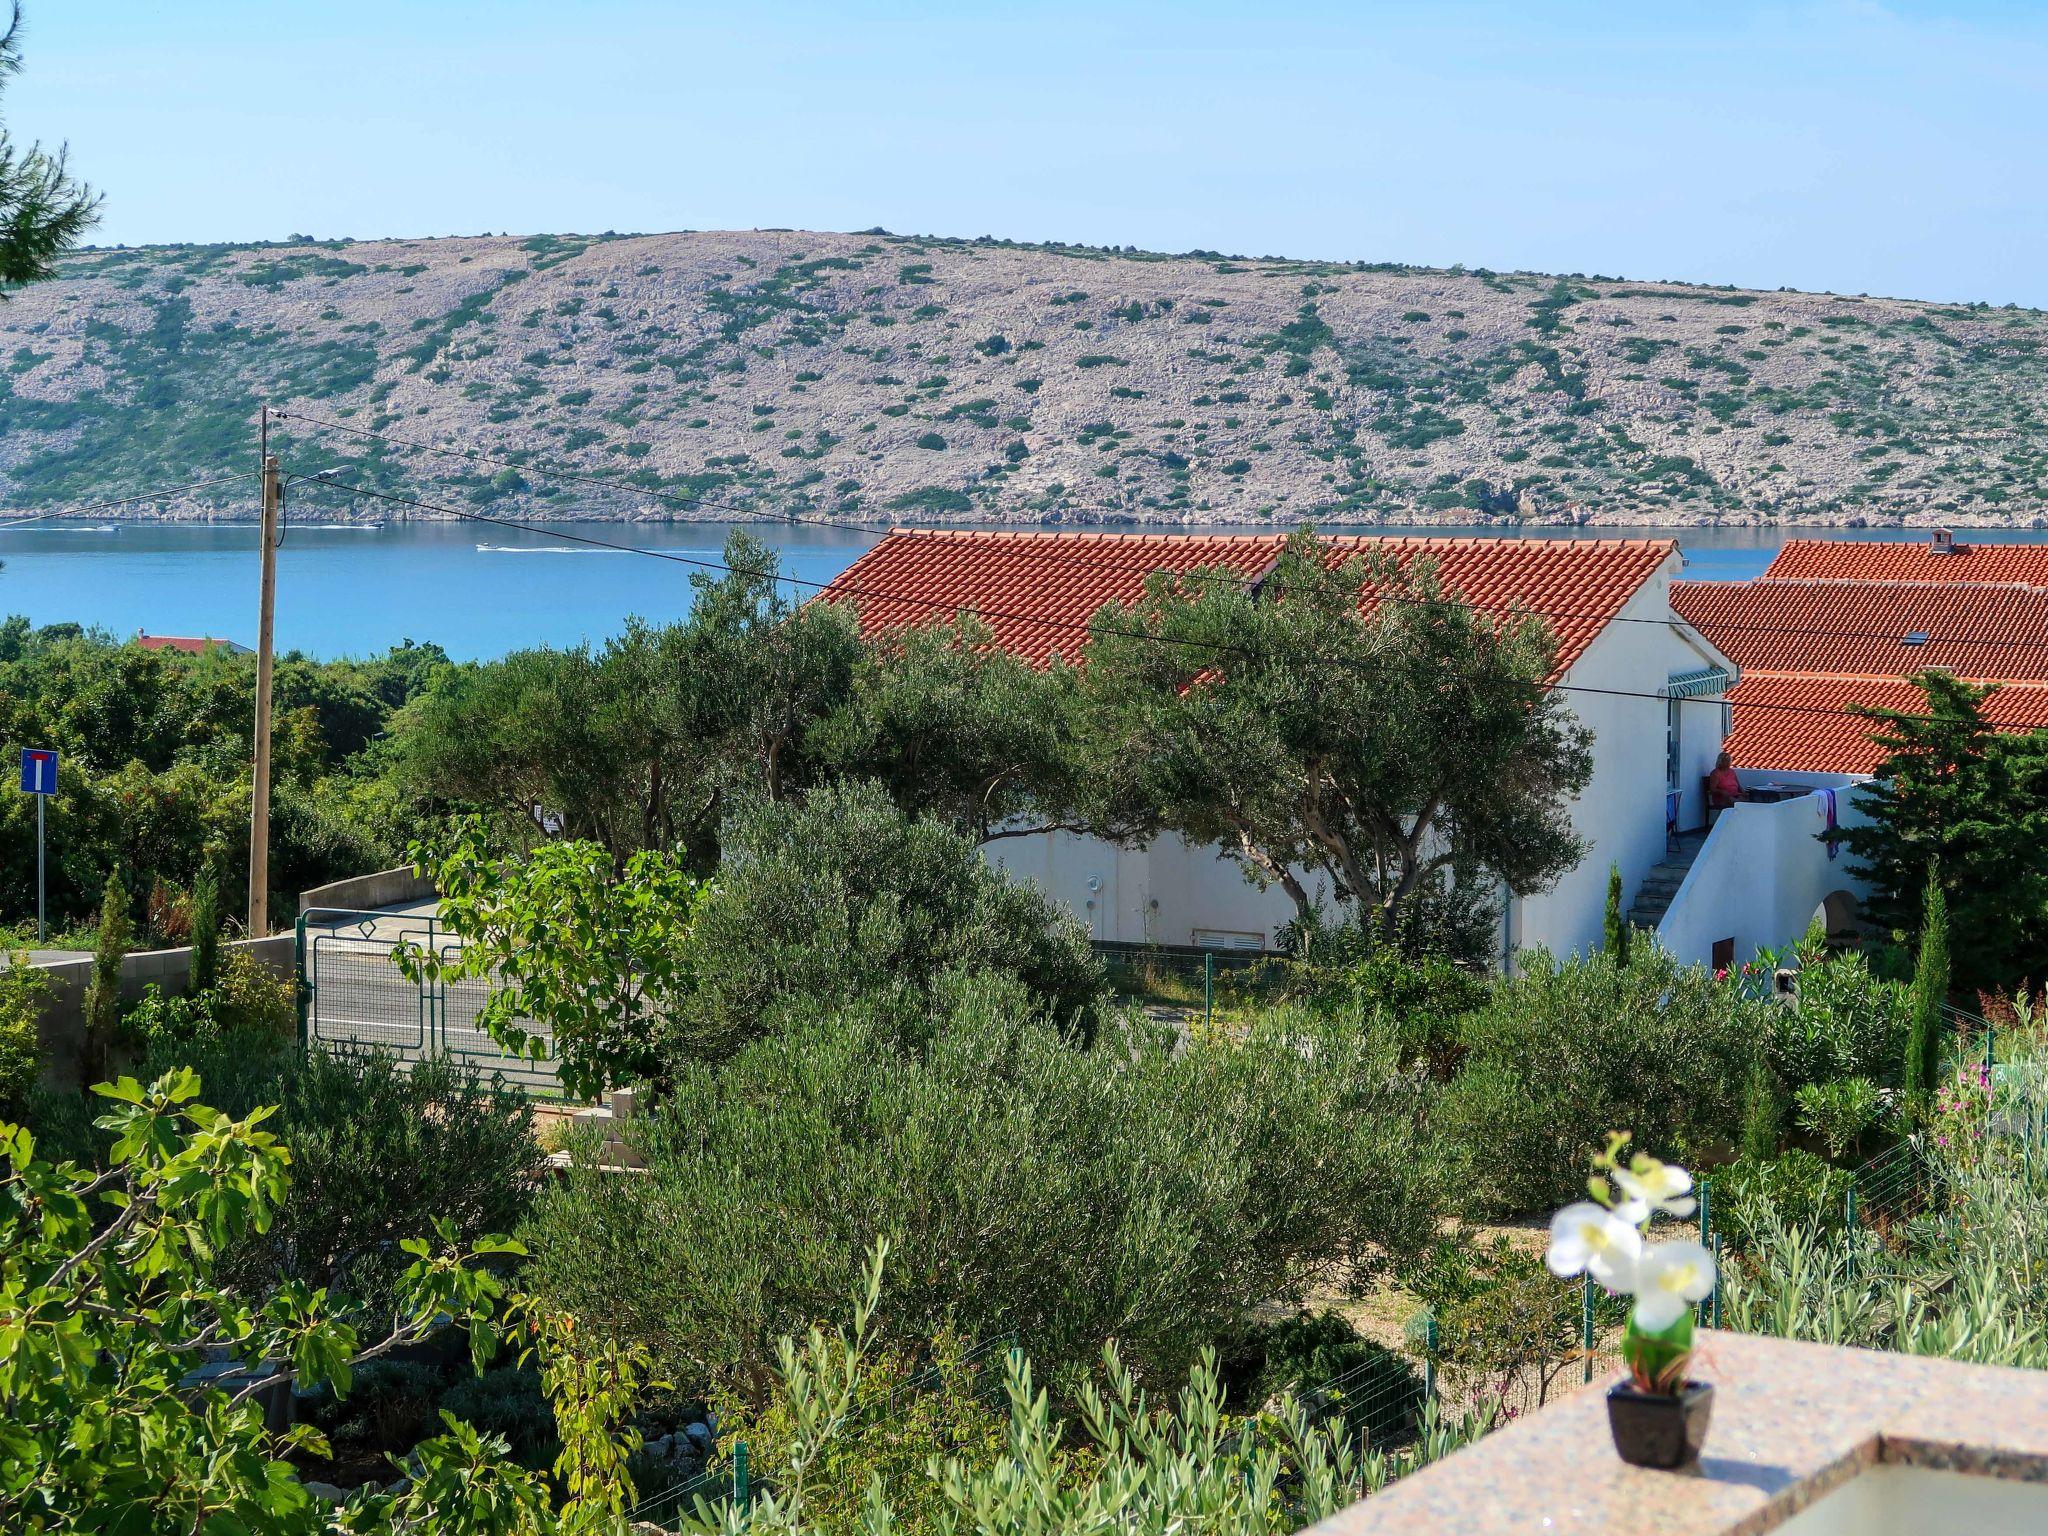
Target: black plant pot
(1655,1429)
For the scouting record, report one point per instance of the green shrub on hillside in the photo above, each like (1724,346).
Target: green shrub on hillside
(1568,1049)
(23,992)
(379,1151)
(1005,1163)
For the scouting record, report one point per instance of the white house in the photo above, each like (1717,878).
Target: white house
(1650,687)
(1833,626)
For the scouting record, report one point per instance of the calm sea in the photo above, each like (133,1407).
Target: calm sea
(349,591)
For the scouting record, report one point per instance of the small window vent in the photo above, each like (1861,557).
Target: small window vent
(1918,637)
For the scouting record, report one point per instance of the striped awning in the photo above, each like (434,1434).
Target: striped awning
(1704,683)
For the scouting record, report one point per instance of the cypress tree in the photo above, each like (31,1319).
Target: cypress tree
(1930,992)
(1954,790)
(1763,1112)
(205,933)
(103,988)
(1617,925)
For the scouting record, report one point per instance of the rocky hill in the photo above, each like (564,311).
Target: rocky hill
(888,378)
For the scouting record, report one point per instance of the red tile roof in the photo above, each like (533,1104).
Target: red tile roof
(190,645)
(1909,560)
(1860,628)
(1791,723)
(1825,628)
(1576,585)
(1038,591)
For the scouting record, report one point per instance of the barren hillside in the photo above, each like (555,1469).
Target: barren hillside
(895,379)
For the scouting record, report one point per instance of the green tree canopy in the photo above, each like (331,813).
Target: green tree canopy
(1954,792)
(43,208)
(1406,754)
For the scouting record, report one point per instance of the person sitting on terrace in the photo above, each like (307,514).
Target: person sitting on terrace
(1723,788)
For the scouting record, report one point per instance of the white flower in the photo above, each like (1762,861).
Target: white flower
(1588,1237)
(1654,1186)
(1669,1278)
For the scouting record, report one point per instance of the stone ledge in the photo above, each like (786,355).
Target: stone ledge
(1792,1422)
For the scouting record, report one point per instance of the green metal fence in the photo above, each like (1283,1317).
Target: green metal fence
(1195,981)
(354,994)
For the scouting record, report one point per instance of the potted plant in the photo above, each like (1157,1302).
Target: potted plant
(1658,1415)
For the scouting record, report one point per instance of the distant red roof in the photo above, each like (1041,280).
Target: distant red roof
(1789,723)
(1039,591)
(1836,623)
(1909,560)
(190,645)
(1867,628)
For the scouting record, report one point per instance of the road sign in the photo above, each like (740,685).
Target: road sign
(39,778)
(38,771)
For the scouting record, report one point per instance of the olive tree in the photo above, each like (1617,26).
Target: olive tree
(1353,719)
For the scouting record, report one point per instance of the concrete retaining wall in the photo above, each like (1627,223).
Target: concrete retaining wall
(63,1033)
(366,893)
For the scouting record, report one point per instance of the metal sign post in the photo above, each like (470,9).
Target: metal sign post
(39,778)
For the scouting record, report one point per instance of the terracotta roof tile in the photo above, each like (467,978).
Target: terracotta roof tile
(1795,723)
(1576,585)
(1861,628)
(1909,560)
(1038,591)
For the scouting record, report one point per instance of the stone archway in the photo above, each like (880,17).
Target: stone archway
(1841,915)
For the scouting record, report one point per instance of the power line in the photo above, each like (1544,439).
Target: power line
(129,501)
(985,614)
(1060,557)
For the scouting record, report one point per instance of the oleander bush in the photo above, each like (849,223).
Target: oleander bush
(1127,1459)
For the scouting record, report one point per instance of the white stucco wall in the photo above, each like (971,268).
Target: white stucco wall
(1621,812)
(1167,893)
(1760,877)
(1162,894)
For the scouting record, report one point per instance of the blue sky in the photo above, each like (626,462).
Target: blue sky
(1855,147)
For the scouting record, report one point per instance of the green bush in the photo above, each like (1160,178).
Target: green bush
(23,992)
(251,998)
(1800,1189)
(1846,1023)
(842,896)
(379,1151)
(247,999)
(1840,1112)
(1141,1189)
(1423,999)
(1566,1050)
(1502,1319)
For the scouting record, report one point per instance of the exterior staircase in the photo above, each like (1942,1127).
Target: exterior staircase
(1660,885)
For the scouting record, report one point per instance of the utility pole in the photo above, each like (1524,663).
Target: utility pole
(259,807)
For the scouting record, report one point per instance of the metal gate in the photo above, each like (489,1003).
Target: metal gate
(352,993)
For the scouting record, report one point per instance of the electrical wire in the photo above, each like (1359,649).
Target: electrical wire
(841,588)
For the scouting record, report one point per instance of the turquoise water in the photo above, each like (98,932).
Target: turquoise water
(477,591)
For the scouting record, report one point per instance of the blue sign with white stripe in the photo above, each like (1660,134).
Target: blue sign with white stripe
(38,771)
